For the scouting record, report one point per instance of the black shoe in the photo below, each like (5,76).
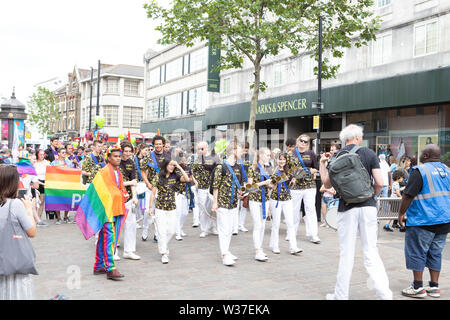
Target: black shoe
(402,229)
(395,226)
(389,229)
(155,240)
(144,239)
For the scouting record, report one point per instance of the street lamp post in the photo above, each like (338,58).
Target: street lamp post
(90,100)
(319,86)
(97,110)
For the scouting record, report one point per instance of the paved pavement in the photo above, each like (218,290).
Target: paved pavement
(195,271)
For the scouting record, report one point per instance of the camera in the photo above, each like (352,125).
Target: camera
(21,194)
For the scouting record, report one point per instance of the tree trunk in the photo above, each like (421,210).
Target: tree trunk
(253,105)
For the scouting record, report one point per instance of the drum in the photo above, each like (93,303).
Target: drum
(332,214)
(207,207)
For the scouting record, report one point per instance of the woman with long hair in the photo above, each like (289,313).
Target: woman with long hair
(405,167)
(40,166)
(259,173)
(16,286)
(281,201)
(165,207)
(142,150)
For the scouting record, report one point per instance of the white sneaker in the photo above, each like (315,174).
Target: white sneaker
(276,250)
(165,259)
(414,293)
(234,233)
(296,250)
(260,256)
(243,229)
(214,231)
(183,234)
(315,240)
(138,226)
(286,239)
(227,260)
(178,238)
(203,234)
(131,255)
(116,257)
(233,256)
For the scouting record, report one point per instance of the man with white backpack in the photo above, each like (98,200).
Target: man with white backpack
(351,173)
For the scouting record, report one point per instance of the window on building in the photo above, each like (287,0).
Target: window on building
(226,86)
(132,117)
(307,68)
(280,74)
(174,69)
(383,3)
(82,118)
(197,99)
(186,64)
(163,110)
(155,77)
(382,49)
(198,60)
(153,109)
(111,115)
(112,86)
(172,105)
(426,38)
(131,87)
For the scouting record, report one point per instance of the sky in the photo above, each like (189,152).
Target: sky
(43,39)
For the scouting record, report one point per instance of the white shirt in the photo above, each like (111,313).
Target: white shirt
(385,172)
(40,167)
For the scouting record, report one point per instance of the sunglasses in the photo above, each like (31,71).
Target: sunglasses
(304,141)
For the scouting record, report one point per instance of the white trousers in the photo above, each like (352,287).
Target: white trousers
(166,222)
(286,208)
(239,217)
(259,223)
(225,228)
(350,222)
(129,228)
(206,223)
(195,210)
(309,198)
(147,219)
(182,212)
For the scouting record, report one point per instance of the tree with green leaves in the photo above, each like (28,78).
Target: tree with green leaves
(43,110)
(256,29)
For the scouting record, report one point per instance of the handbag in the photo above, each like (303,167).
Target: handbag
(17,255)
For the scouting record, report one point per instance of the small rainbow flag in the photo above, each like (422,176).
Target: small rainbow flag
(103,201)
(63,189)
(25,167)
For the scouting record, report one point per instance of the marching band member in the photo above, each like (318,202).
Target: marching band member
(226,192)
(202,168)
(165,205)
(304,189)
(150,167)
(245,162)
(184,195)
(94,162)
(281,200)
(259,200)
(142,191)
(128,170)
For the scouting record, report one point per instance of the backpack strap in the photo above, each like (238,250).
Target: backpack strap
(354,149)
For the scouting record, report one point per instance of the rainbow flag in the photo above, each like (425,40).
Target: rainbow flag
(103,201)
(25,167)
(63,189)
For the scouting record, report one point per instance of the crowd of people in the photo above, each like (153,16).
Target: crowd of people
(161,184)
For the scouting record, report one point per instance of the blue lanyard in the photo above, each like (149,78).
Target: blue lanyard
(279,187)
(235,181)
(138,167)
(263,176)
(190,195)
(243,171)
(303,164)
(102,164)
(155,164)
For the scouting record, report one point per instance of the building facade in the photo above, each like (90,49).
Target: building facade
(396,87)
(121,100)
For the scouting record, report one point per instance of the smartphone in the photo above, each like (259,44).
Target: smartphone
(22,193)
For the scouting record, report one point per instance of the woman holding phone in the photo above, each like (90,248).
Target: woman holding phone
(16,286)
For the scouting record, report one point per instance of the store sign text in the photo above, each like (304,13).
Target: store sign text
(282,106)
